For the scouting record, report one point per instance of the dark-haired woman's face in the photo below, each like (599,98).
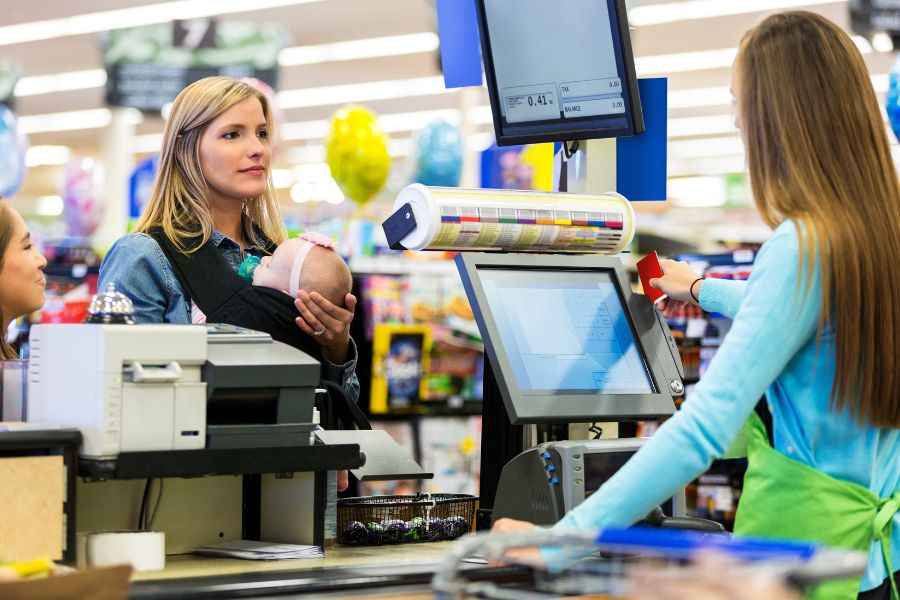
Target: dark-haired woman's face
(21,274)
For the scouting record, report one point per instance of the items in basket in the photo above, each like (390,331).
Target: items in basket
(394,531)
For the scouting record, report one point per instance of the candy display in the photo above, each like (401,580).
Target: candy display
(396,531)
(378,520)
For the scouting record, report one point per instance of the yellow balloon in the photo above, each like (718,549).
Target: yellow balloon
(356,152)
(540,157)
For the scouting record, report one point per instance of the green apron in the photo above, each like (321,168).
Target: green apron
(783,498)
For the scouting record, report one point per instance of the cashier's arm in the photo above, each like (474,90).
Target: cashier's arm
(776,318)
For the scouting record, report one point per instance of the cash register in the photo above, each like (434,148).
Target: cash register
(566,341)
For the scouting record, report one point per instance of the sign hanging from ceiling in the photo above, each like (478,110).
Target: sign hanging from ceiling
(875,16)
(146,67)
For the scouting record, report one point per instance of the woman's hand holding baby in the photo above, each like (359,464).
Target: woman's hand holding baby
(327,323)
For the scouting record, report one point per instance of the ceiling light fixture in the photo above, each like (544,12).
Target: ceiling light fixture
(60,82)
(395,45)
(151,14)
(359,92)
(672,12)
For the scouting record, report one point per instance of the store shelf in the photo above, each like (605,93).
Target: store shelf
(224,461)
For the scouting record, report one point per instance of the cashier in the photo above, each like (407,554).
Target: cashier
(816,329)
(214,184)
(22,280)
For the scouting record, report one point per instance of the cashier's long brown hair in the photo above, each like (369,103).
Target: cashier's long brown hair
(6,232)
(178,200)
(817,152)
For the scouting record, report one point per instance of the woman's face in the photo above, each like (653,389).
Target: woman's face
(21,274)
(234,153)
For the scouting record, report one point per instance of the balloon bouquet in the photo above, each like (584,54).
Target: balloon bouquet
(357,153)
(80,191)
(438,155)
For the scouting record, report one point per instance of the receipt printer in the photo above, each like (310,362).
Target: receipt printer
(170,387)
(126,387)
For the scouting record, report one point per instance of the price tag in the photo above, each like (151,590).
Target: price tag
(530,103)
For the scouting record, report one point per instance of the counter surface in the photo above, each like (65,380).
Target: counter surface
(188,565)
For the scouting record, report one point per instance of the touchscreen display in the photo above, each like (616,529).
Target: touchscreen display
(565,332)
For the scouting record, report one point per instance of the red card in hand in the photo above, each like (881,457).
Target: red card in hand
(648,268)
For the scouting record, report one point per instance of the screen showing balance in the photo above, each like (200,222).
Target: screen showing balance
(564,332)
(557,61)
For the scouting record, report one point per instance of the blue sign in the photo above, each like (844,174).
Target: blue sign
(460,50)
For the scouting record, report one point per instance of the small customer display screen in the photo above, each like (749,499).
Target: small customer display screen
(559,70)
(565,332)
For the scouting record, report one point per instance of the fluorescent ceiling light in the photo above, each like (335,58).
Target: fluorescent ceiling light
(300,55)
(395,45)
(713,165)
(700,97)
(60,82)
(49,206)
(722,58)
(150,142)
(681,62)
(362,92)
(47,155)
(390,123)
(882,42)
(697,126)
(671,12)
(711,146)
(697,191)
(151,14)
(282,178)
(65,121)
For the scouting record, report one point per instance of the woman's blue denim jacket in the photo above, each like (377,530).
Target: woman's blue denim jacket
(140,270)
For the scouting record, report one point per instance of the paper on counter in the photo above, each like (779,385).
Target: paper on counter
(252,550)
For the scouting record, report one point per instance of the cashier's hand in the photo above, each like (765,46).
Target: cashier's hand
(326,323)
(519,555)
(676,284)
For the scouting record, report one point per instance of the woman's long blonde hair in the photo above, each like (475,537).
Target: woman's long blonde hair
(818,153)
(179,199)
(6,232)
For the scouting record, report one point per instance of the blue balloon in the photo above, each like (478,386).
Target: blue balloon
(893,97)
(13,146)
(439,154)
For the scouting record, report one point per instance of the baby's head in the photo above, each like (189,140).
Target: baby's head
(307,263)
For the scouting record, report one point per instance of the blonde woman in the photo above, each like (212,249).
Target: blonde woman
(816,328)
(213,198)
(22,280)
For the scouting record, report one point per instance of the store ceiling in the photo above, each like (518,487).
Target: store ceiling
(702,142)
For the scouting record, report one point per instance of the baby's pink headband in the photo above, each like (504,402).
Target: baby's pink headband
(310,239)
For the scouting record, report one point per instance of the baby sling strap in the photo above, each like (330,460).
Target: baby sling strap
(224,297)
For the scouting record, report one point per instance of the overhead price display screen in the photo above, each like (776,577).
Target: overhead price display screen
(559,70)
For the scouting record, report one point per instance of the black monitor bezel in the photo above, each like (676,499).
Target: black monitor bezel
(573,408)
(636,125)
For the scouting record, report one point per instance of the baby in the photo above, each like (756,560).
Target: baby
(308,263)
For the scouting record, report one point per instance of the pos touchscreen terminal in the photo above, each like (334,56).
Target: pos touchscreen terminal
(568,341)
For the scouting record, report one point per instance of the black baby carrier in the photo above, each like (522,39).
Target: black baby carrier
(224,297)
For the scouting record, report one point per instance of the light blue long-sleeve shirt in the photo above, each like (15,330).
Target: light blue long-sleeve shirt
(771,349)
